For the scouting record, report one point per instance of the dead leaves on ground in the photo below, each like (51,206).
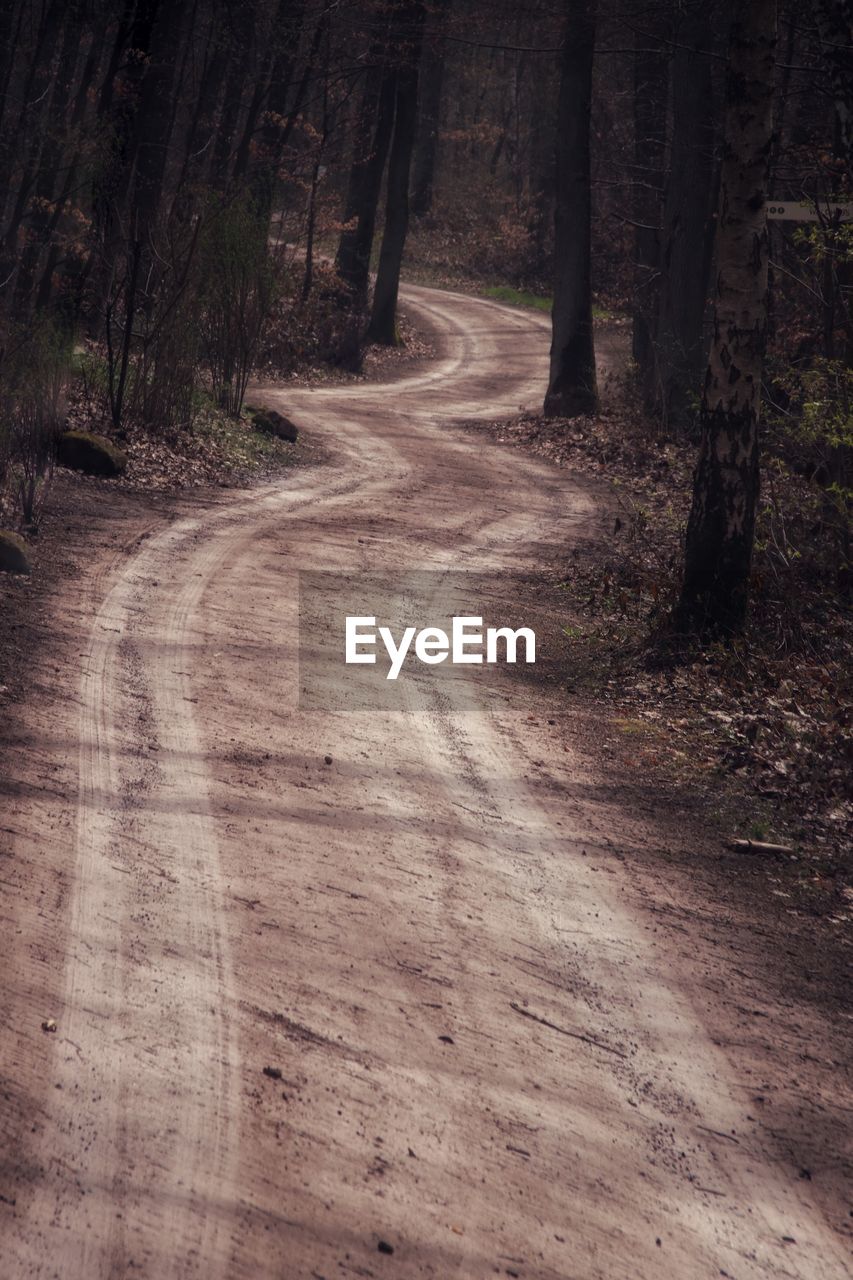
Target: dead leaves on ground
(767,721)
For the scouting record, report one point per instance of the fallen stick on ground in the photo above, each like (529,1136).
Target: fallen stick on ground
(759,846)
(575,1035)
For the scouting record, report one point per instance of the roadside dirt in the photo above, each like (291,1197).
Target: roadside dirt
(444,1006)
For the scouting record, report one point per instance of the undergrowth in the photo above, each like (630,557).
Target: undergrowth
(766,721)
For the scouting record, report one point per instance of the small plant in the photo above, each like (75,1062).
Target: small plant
(518,297)
(33,413)
(818,434)
(238,293)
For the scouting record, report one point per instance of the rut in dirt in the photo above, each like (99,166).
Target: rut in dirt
(346,993)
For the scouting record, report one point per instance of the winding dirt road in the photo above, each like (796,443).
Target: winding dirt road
(481,1059)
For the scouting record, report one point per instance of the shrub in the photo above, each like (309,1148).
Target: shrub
(35,376)
(151,344)
(321,328)
(237,293)
(816,435)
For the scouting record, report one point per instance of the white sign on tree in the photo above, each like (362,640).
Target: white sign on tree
(805,211)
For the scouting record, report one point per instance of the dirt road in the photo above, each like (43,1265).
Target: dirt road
(398,1015)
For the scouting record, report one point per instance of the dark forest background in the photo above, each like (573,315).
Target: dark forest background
(194,193)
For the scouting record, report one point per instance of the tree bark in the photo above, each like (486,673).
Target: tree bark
(155,119)
(118,108)
(376,117)
(25,134)
(265,116)
(383,320)
(280,120)
(651,83)
(720,531)
(432,84)
(688,224)
(541,157)
(40,217)
(572,387)
(240,58)
(835,27)
(64,198)
(11,16)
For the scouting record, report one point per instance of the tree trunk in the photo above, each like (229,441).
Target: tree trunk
(199,135)
(118,108)
(688,224)
(269,101)
(64,198)
(25,134)
(572,387)
(541,157)
(371,148)
(155,119)
(718,552)
(651,83)
(383,320)
(10,10)
(240,58)
(432,83)
(835,27)
(39,220)
(280,120)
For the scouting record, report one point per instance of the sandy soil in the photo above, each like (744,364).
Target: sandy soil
(425,1010)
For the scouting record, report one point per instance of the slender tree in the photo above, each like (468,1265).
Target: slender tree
(383,319)
(373,136)
(688,221)
(429,111)
(154,123)
(572,387)
(651,82)
(27,132)
(720,531)
(835,25)
(541,155)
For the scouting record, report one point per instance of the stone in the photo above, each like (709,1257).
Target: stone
(275,424)
(14,556)
(90,453)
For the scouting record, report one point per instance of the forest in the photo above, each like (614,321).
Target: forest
(227,162)
(556,290)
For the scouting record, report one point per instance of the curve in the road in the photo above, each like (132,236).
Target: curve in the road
(160,1158)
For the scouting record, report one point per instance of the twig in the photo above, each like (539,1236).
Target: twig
(719,1134)
(760,846)
(575,1035)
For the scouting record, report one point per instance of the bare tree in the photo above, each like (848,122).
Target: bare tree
(373,136)
(572,387)
(651,81)
(383,319)
(720,532)
(432,84)
(688,220)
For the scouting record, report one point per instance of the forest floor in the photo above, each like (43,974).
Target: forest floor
(465,987)
(759,731)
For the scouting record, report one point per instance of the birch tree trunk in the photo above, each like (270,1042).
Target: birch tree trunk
(720,531)
(572,385)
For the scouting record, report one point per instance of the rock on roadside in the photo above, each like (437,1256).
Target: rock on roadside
(14,556)
(95,455)
(272,423)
